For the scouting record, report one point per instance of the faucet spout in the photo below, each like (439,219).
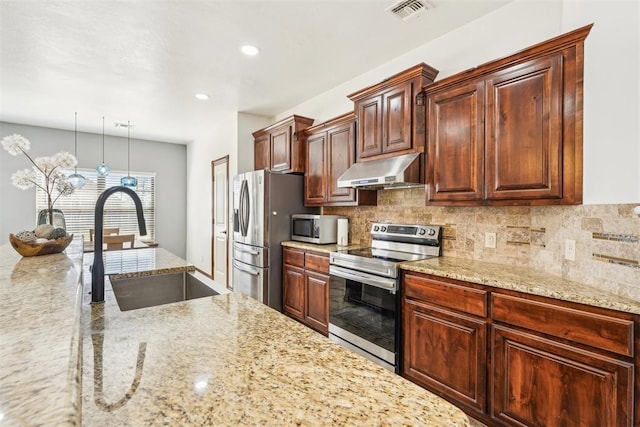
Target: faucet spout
(97,270)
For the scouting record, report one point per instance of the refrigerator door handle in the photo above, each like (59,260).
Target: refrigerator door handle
(238,248)
(245,208)
(246,269)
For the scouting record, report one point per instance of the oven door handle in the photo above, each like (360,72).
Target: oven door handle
(368,279)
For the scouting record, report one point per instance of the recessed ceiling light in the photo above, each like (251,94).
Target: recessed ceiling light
(202,96)
(250,50)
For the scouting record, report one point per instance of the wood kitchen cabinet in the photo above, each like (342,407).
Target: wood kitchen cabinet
(279,147)
(305,288)
(514,359)
(510,131)
(389,121)
(445,338)
(330,151)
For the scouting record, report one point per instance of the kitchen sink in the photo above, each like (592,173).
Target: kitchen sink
(148,291)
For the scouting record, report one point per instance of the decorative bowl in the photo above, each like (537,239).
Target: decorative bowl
(44,248)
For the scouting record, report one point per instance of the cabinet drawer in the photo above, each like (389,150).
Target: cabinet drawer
(450,295)
(597,330)
(293,257)
(317,262)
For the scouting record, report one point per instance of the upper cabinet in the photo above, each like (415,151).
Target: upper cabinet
(388,120)
(279,147)
(330,151)
(510,131)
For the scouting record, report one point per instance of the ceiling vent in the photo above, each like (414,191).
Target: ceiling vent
(409,9)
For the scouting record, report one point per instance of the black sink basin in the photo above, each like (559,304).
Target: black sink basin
(148,291)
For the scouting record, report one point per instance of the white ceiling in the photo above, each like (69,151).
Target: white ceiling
(143,61)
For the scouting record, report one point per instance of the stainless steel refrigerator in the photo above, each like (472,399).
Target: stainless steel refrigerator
(263,203)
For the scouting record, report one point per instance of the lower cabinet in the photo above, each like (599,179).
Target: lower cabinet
(445,338)
(539,382)
(446,351)
(305,288)
(512,359)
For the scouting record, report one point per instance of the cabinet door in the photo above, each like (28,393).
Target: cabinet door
(293,291)
(281,148)
(455,143)
(524,130)
(315,190)
(317,301)
(397,113)
(340,154)
(369,113)
(262,153)
(538,382)
(445,352)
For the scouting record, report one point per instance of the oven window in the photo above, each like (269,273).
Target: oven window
(366,311)
(302,227)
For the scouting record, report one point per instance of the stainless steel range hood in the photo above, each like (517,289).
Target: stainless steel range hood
(392,172)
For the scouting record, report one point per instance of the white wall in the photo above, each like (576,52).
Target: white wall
(230,135)
(168,161)
(611,105)
(611,98)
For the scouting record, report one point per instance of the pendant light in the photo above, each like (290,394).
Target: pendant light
(129,181)
(103,169)
(76,180)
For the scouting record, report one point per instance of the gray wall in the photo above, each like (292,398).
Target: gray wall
(168,161)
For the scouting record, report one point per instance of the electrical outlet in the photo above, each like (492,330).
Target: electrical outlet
(490,240)
(570,250)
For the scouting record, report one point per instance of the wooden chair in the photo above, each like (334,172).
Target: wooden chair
(105,232)
(116,242)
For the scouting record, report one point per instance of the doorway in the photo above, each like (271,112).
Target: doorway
(220,221)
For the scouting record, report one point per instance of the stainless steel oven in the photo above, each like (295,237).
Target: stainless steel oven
(363,313)
(364,298)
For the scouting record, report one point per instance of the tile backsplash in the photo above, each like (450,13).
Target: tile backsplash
(607,237)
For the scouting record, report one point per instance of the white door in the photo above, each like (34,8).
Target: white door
(220,247)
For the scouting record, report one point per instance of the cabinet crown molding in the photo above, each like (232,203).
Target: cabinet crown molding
(419,70)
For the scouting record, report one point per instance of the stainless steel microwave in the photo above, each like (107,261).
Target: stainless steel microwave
(318,229)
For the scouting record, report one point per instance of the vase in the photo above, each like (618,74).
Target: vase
(58,218)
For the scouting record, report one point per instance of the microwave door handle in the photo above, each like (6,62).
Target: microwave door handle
(246,269)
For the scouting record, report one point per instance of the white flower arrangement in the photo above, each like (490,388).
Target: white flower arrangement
(50,168)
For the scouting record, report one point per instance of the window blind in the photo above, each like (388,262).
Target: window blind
(119,210)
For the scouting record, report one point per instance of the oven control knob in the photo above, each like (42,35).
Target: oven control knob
(376,228)
(383,228)
(432,232)
(422,231)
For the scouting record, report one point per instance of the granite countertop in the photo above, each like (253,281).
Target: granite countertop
(40,337)
(521,279)
(229,360)
(317,248)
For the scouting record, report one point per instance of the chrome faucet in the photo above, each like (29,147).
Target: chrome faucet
(97,270)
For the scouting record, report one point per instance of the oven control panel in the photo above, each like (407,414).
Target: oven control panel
(428,232)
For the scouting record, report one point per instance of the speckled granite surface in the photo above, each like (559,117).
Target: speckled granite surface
(521,279)
(228,360)
(317,248)
(40,358)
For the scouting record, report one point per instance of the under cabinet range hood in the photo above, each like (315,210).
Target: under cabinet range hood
(392,172)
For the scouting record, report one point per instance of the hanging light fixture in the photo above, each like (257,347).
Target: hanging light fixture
(75,179)
(103,169)
(129,181)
